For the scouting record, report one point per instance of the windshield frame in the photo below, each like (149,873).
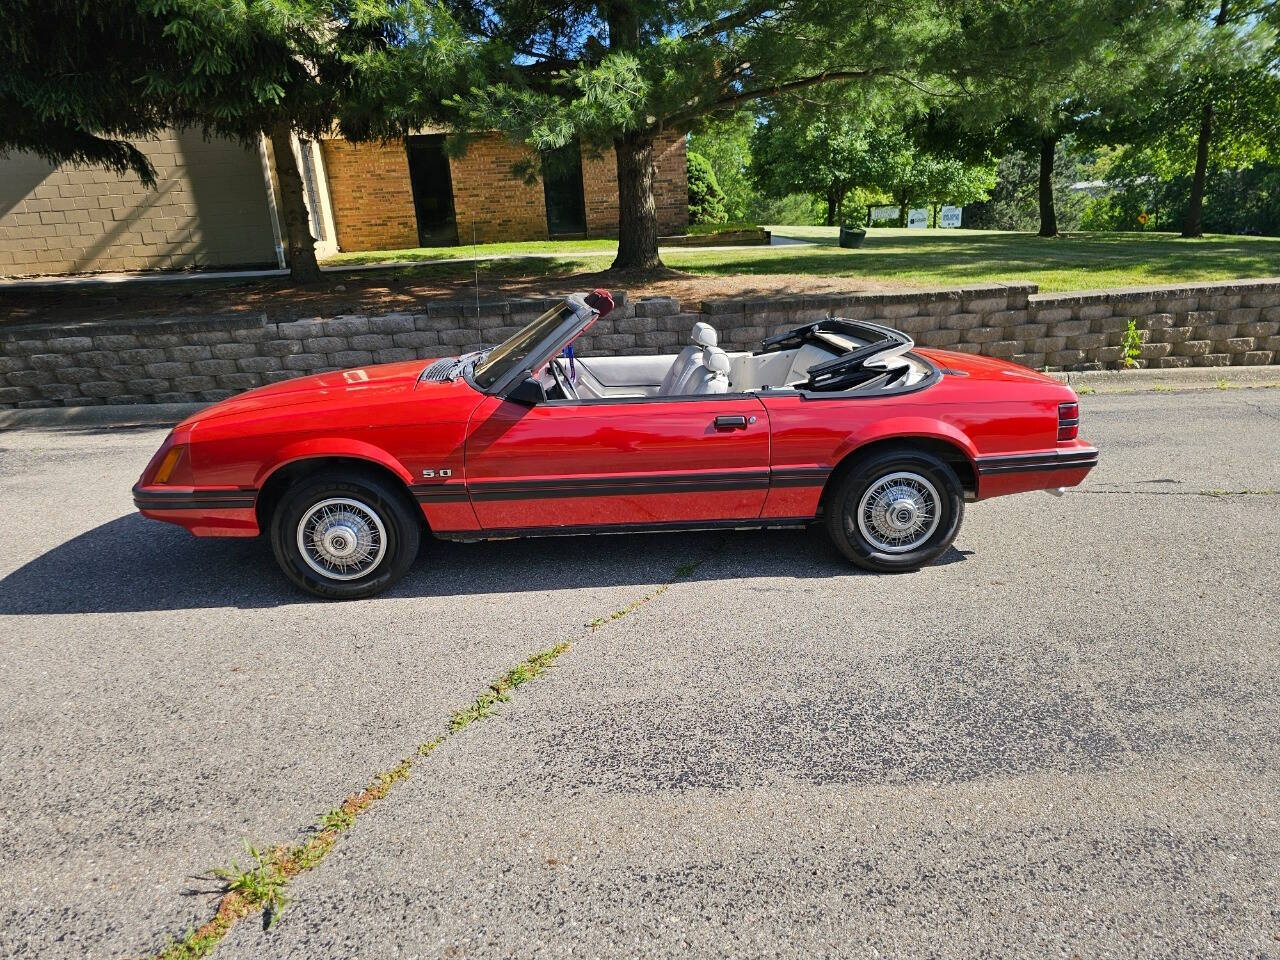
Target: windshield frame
(531,346)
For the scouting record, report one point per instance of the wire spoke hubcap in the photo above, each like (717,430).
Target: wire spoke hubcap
(898,512)
(341,538)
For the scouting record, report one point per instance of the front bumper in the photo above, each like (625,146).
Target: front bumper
(204,512)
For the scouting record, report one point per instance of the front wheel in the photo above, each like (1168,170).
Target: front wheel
(898,511)
(344,536)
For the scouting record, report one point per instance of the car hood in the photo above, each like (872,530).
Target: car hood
(364,384)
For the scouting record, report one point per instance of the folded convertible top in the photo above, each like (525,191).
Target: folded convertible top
(880,347)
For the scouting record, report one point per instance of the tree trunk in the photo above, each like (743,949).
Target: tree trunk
(637,213)
(902,214)
(293,205)
(1048,216)
(832,204)
(1193,225)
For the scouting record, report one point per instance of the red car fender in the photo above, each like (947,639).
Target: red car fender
(332,447)
(896,428)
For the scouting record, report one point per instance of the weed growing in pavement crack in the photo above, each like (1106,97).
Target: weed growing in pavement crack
(245,892)
(262,887)
(500,692)
(682,572)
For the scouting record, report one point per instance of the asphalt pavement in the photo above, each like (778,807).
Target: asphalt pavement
(1062,740)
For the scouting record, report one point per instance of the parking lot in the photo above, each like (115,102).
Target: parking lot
(1063,740)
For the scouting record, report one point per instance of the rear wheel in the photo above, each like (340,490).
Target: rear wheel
(898,511)
(344,536)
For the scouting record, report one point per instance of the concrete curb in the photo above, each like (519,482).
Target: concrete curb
(1095,381)
(107,416)
(1186,378)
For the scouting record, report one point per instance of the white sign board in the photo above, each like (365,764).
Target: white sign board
(884,213)
(918,219)
(950,217)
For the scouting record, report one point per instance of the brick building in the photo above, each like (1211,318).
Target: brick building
(386,196)
(216,202)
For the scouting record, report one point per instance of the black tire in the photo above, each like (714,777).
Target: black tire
(376,503)
(858,541)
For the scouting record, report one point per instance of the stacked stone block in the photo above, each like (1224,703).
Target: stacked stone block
(185,360)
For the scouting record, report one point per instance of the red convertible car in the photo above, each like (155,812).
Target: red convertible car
(838,421)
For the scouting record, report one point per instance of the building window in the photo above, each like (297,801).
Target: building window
(432,191)
(562,184)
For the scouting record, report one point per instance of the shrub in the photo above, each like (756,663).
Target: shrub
(706,199)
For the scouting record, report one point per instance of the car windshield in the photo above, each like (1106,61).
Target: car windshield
(507,356)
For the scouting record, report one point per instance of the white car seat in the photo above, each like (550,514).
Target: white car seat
(690,363)
(715,379)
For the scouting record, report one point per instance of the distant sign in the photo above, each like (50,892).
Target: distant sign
(918,219)
(950,216)
(884,213)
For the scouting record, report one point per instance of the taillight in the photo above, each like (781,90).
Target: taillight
(1068,421)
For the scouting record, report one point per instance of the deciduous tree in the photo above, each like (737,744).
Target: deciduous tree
(832,147)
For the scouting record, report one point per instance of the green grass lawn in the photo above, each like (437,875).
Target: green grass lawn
(483,251)
(906,258)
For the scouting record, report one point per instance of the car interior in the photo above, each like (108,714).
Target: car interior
(787,362)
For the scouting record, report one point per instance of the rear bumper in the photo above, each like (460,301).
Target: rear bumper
(206,513)
(1016,473)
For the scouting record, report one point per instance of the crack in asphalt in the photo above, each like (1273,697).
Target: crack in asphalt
(1257,408)
(1216,494)
(261,888)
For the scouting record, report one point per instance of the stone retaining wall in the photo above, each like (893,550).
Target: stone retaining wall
(185,360)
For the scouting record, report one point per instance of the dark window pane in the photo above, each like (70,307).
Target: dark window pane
(562,182)
(432,191)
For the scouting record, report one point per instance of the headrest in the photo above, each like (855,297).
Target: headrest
(600,301)
(716,360)
(704,335)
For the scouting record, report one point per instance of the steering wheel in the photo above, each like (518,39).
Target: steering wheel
(562,381)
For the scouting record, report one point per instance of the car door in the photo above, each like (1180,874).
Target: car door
(643,462)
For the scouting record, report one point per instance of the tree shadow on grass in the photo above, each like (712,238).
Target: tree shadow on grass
(961,257)
(132,565)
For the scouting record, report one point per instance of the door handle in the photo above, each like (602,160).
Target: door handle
(730,423)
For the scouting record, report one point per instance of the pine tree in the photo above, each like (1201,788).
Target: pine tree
(83,77)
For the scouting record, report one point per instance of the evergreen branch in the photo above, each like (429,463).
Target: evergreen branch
(695,110)
(731,21)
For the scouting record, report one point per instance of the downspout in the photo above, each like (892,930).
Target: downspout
(270,181)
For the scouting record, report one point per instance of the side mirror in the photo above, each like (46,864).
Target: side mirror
(527,391)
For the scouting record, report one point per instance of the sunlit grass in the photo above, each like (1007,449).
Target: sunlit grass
(904,258)
(466,251)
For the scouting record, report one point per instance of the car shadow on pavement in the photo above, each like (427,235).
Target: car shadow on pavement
(132,564)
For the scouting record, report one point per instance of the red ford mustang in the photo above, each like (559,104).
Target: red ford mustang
(839,421)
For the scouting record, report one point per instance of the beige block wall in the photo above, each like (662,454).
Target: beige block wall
(208,209)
